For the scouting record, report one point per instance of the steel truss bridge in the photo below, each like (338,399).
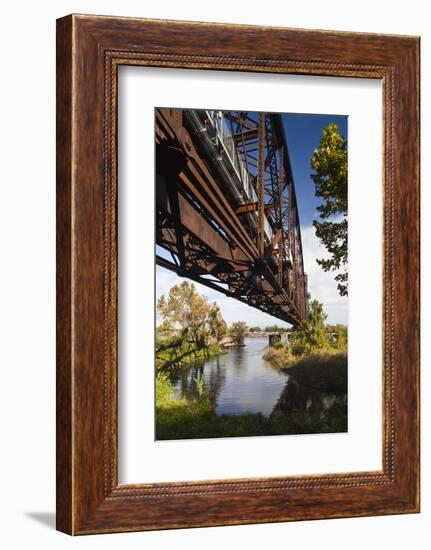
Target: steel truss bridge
(226,209)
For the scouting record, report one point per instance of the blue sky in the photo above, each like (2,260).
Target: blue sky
(303,133)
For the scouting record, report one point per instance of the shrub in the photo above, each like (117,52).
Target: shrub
(279,357)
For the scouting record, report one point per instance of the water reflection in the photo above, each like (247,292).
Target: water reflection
(240,381)
(310,403)
(237,382)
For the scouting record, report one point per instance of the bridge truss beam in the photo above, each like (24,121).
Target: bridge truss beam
(226,207)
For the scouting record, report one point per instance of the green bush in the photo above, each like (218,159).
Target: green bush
(279,357)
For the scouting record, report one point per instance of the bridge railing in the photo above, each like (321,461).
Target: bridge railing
(223,135)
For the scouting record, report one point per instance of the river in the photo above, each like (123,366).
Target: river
(240,381)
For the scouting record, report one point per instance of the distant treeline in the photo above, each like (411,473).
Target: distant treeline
(268,329)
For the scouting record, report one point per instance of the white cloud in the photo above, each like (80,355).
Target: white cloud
(165,279)
(232,310)
(321,286)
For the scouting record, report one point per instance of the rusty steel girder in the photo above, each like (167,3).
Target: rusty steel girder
(226,209)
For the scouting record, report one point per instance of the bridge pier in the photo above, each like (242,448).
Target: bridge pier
(274,338)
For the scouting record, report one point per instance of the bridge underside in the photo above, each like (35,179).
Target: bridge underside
(230,223)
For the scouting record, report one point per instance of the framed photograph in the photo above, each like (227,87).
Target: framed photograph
(237,274)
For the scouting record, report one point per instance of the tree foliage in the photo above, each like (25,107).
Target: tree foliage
(237,332)
(188,314)
(275,328)
(311,334)
(314,335)
(337,336)
(329,162)
(216,324)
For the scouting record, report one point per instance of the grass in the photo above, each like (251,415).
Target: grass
(325,371)
(278,356)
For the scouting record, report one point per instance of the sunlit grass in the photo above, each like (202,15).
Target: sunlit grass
(279,356)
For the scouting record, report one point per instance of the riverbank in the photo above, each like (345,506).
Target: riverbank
(174,352)
(325,371)
(282,358)
(314,400)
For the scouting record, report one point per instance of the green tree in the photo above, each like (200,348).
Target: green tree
(273,328)
(329,162)
(188,314)
(217,325)
(237,332)
(311,334)
(337,336)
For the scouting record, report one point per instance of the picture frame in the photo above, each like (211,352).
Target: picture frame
(89,51)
